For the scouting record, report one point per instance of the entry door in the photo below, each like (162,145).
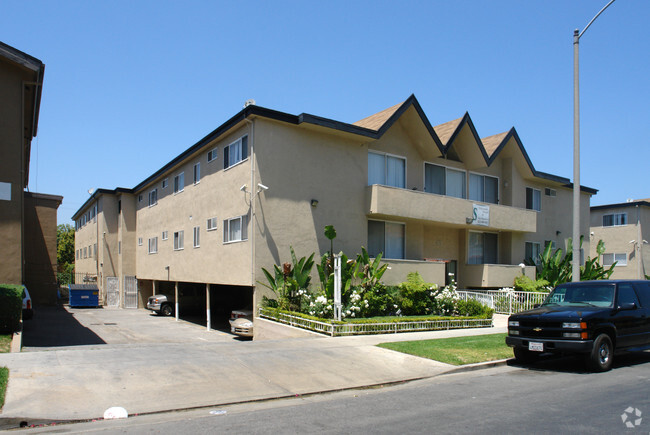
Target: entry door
(112,291)
(130,292)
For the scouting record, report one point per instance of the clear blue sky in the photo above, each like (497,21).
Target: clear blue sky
(150,78)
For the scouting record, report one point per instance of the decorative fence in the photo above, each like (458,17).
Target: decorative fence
(505,302)
(76,278)
(342,329)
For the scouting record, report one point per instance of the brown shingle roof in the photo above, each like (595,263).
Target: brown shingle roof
(444,131)
(491,143)
(374,122)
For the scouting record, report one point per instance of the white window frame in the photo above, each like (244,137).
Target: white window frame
(178,180)
(197,237)
(213,154)
(165,183)
(139,241)
(165,235)
(614,216)
(153,245)
(534,189)
(403,241)
(469,180)
(620,261)
(211,224)
(552,243)
(550,192)
(140,197)
(179,240)
(196,173)
(385,156)
(153,197)
(243,229)
(239,141)
(447,168)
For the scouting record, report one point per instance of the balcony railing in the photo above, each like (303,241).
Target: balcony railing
(393,202)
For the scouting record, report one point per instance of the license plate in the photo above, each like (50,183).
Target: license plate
(536,347)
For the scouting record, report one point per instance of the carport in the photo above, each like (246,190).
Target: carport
(206,304)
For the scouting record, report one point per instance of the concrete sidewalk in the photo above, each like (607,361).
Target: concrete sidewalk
(81,383)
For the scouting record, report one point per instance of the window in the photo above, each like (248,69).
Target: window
(212,224)
(235,152)
(95,250)
(164,183)
(615,219)
(178,240)
(197,173)
(165,235)
(550,242)
(179,182)
(212,155)
(140,198)
(197,241)
(119,206)
(444,181)
(85,252)
(386,238)
(153,197)
(550,192)
(139,241)
(626,295)
(610,258)
(153,245)
(386,169)
(533,199)
(482,248)
(90,252)
(483,188)
(533,250)
(235,229)
(119,247)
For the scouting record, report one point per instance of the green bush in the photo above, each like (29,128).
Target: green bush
(474,308)
(416,297)
(11,305)
(525,284)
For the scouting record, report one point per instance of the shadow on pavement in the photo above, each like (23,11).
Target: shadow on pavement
(576,364)
(53,326)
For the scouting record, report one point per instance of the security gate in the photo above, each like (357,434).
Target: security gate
(112,291)
(130,292)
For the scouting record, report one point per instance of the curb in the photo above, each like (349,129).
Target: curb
(476,366)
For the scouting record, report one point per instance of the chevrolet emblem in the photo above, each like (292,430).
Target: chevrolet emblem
(537,329)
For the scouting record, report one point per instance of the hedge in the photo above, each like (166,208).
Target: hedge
(11,305)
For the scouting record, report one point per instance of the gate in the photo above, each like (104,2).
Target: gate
(112,291)
(130,292)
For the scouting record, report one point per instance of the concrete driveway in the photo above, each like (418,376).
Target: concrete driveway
(63,327)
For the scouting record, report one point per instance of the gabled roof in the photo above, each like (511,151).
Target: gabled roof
(632,203)
(446,131)
(374,122)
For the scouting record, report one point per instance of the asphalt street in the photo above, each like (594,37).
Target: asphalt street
(554,396)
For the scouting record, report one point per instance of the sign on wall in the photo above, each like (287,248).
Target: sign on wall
(481,214)
(5,191)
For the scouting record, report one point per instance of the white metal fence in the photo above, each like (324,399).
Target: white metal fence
(341,329)
(505,302)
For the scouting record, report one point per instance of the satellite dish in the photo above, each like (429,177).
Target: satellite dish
(249,102)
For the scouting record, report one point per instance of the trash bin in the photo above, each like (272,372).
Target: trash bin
(84,295)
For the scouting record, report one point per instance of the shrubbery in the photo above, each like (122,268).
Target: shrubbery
(11,305)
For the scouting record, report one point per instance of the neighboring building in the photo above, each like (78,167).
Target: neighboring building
(625,230)
(438,200)
(27,220)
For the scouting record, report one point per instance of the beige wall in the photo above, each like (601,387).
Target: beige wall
(11,171)
(617,240)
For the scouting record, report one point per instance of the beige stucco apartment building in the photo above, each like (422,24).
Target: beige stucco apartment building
(27,219)
(437,200)
(625,230)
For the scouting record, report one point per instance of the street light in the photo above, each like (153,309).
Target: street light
(576,149)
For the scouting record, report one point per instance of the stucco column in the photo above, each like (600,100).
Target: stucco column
(176,299)
(207,306)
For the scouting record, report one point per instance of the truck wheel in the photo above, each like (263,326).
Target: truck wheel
(525,355)
(166,310)
(601,356)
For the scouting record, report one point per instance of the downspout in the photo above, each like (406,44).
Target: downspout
(251,235)
(639,244)
(22,181)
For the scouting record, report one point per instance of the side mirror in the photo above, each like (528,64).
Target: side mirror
(536,305)
(627,306)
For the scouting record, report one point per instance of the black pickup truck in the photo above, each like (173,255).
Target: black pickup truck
(595,319)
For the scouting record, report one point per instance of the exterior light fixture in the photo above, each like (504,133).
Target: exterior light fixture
(314,202)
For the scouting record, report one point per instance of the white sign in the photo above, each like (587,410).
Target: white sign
(5,191)
(481,214)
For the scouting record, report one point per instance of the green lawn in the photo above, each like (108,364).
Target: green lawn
(457,350)
(5,342)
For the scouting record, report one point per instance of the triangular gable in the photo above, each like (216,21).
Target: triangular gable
(374,122)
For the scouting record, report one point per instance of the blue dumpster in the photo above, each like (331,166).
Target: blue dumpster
(84,295)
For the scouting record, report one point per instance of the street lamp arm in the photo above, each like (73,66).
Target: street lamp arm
(594,18)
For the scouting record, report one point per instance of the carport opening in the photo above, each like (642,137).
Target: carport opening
(223,300)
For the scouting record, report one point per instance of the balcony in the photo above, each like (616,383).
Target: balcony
(491,275)
(433,272)
(392,202)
